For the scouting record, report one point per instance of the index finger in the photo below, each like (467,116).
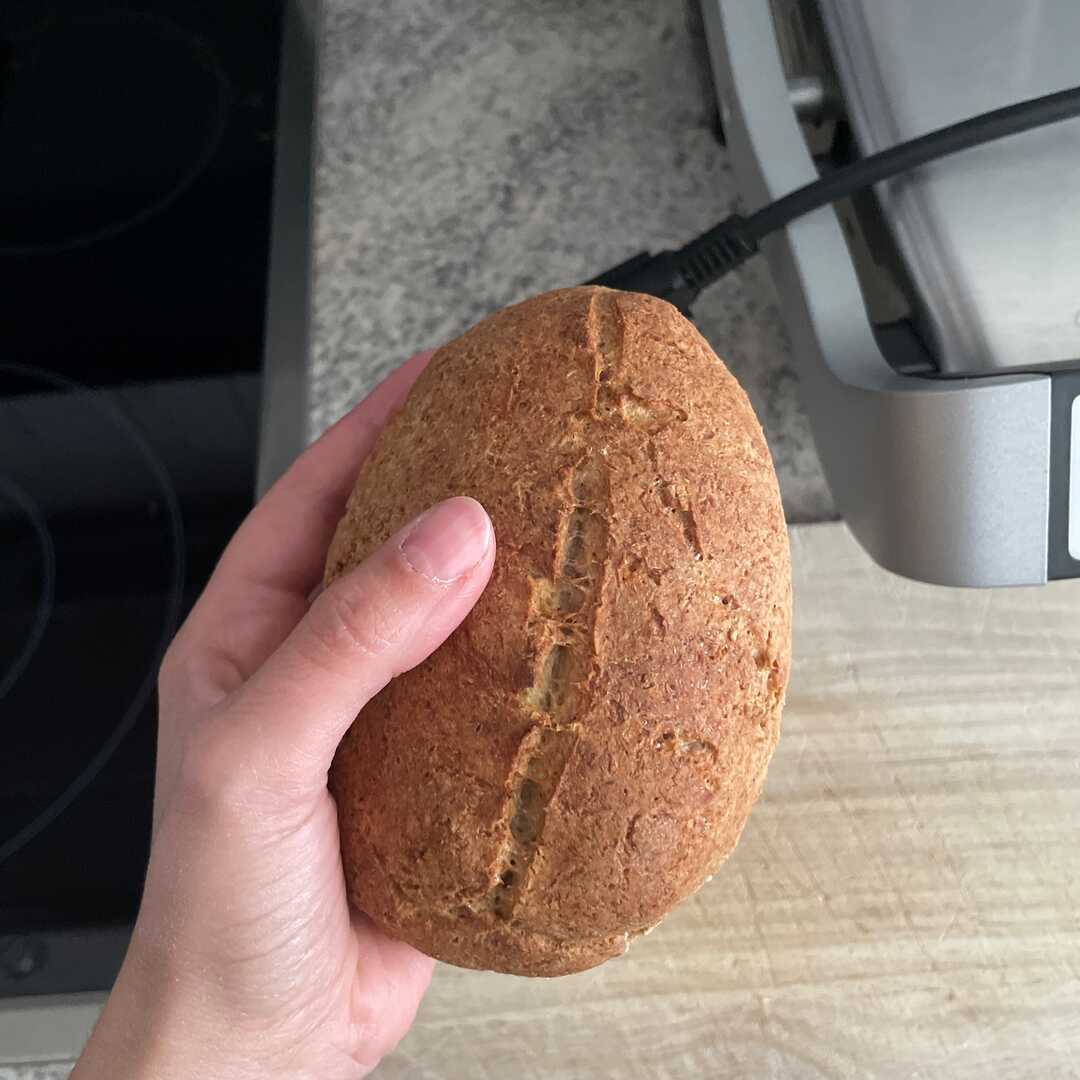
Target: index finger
(262,581)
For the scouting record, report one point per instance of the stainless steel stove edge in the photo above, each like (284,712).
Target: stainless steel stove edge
(283,430)
(46,1030)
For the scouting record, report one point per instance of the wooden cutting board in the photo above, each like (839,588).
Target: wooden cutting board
(905,901)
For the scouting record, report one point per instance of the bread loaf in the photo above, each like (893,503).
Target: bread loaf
(585,749)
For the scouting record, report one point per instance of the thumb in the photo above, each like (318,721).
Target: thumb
(379,620)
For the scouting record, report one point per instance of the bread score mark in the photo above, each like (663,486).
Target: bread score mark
(645,414)
(669,498)
(564,612)
(564,606)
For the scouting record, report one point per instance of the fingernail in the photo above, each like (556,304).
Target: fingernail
(449,540)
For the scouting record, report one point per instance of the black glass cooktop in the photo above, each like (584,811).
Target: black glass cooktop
(137,142)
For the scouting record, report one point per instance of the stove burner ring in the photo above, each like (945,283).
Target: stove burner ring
(121,144)
(42,613)
(174,600)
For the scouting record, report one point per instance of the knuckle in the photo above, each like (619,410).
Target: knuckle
(354,621)
(196,676)
(173,664)
(213,781)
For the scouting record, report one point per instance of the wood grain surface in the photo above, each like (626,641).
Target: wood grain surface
(905,901)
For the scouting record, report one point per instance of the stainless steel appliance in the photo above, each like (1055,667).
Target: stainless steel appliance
(935,321)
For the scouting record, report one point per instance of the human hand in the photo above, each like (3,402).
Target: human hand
(246,960)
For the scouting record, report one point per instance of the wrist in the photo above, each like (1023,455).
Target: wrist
(157,1025)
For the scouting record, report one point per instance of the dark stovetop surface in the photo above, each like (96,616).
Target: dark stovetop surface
(138,145)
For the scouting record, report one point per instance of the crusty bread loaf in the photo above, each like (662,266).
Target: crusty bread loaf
(584,751)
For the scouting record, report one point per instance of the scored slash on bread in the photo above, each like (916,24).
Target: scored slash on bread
(585,749)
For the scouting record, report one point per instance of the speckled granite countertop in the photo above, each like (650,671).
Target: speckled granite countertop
(476,153)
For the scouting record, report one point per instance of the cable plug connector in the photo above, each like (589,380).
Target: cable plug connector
(680,276)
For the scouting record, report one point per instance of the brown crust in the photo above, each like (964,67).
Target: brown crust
(585,749)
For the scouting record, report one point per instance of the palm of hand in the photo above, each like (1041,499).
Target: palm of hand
(246,959)
(319,987)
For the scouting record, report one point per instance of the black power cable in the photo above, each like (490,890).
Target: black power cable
(680,276)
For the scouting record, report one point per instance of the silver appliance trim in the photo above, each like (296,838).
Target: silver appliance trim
(1074,479)
(283,430)
(945,481)
(47,1030)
